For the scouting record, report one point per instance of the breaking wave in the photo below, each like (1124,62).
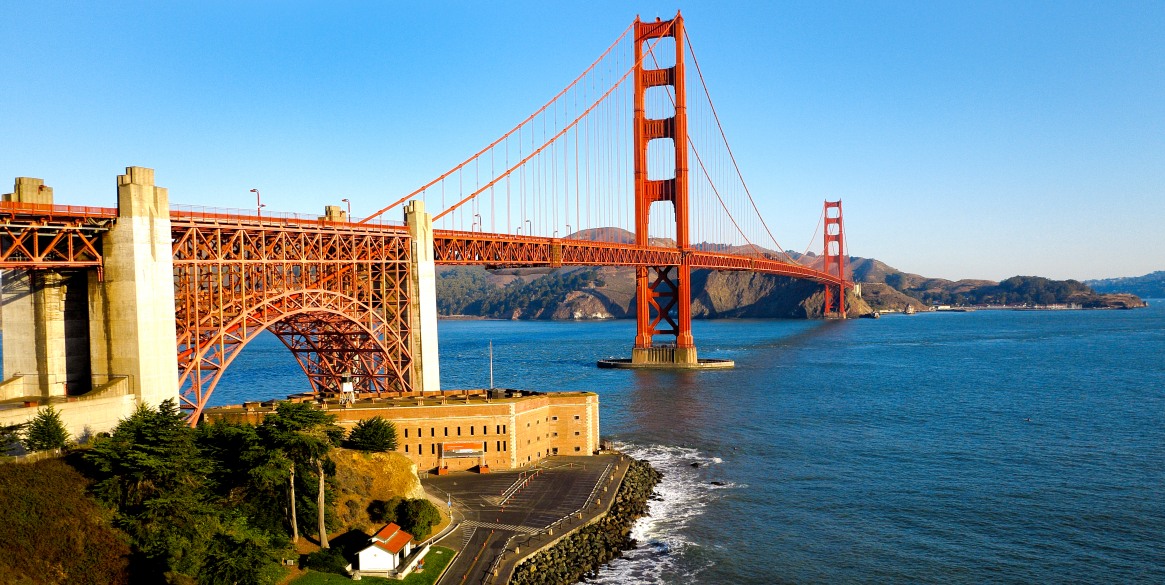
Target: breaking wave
(662,549)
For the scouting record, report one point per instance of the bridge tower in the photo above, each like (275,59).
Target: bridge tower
(834,260)
(664,300)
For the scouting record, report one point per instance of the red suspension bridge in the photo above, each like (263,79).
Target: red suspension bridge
(623,167)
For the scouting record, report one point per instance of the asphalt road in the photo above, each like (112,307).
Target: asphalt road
(499,505)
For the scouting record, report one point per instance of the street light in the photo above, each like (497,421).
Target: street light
(349,218)
(529,228)
(258,203)
(477,222)
(568,230)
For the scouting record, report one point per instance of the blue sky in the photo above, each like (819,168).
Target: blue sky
(974,140)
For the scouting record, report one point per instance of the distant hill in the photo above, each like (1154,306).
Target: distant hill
(580,293)
(877,276)
(609,292)
(1149,286)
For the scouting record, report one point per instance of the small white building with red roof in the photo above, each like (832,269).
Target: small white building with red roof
(387,551)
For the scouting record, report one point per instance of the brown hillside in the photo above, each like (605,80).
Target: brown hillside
(362,478)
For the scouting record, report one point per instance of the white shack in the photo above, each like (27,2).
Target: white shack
(387,551)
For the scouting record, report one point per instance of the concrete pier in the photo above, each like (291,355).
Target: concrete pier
(423,300)
(95,343)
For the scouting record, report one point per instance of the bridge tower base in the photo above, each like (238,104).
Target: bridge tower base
(131,304)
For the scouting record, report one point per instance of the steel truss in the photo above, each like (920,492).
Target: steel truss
(45,237)
(337,295)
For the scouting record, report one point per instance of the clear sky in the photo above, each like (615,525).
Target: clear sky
(967,140)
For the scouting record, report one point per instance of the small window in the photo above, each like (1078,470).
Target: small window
(499,429)
(406,433)
(576,433)
(420,449)
(446,431)
(555,434)
(433,449)
(471,430)
(504,446)
(433,431)
(406,448)
(484,430)
(419,433)
(554,418)
(578,448)
(458,431)
(576,417)
(503,428)
(499,445)
(485,446)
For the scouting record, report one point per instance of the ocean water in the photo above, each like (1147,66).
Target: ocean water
(985,447)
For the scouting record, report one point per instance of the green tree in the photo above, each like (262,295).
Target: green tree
(239,556)
(306,434)
(10,437)
(153,473)
(373,434)
(417,517)
(46,431)
(248,474)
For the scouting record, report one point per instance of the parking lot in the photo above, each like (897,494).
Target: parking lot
(493,507)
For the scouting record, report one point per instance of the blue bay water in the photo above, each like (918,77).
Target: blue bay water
(995,446)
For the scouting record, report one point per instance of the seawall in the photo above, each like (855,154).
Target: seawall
(586,549)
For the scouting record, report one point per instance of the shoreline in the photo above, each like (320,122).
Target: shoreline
(581,552)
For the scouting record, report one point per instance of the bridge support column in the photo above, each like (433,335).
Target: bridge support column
(426,375)
(45,337)
(132,330)
(834,255)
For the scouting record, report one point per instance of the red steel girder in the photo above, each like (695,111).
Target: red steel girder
(336,294)
(44,237)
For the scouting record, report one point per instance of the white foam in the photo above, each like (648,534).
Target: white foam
(680,498)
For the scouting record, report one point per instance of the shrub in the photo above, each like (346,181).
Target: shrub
(9,437)
(327,560)
(53,532)
(373,434)
(46,431)
(417,517)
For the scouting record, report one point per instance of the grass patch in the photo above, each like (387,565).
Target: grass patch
(314,578)
(435,562)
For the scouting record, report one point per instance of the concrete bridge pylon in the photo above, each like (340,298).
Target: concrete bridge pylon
(131,305)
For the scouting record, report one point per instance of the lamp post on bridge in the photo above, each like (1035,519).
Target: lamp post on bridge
(529,228)
(349,216)
(568,230)
(258,203)
(477,222)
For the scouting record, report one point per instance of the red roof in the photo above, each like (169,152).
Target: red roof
(391,538)
(387,532)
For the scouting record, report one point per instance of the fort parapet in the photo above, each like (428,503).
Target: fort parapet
(464,430)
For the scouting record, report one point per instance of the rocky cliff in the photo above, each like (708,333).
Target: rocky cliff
(609,293)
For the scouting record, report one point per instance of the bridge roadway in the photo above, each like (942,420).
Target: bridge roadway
(557,488)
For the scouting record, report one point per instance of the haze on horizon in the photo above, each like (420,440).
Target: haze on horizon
(977,141)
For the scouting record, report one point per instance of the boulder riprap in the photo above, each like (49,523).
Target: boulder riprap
(584,551)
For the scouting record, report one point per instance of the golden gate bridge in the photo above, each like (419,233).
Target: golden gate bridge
(623,167)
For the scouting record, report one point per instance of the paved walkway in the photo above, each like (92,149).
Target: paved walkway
(504,510)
